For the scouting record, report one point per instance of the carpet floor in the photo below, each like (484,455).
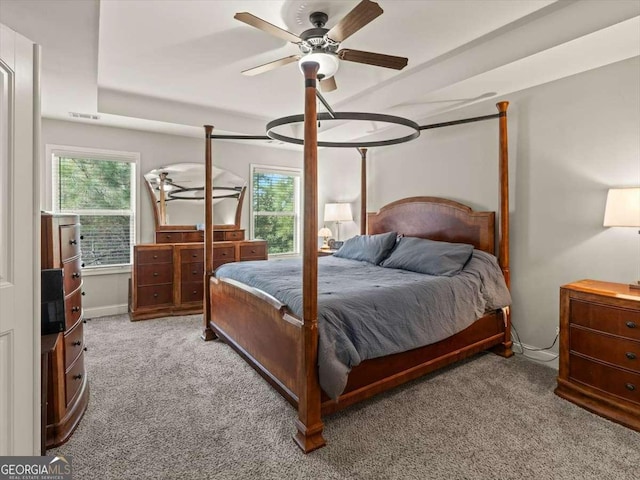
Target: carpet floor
(166,405)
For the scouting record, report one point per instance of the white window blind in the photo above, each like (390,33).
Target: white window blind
(102,192)
(275,208)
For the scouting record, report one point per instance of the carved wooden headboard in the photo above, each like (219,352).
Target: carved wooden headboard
(436,219)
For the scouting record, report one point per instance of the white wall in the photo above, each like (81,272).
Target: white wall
(570,140)
(108,294)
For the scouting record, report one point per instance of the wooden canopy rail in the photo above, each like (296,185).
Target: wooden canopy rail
(284,349)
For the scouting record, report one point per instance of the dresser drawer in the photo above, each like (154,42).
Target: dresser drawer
(253,251)
(154,274)
(69,241)
(72,309)
(192,272)
(153,295)
(614,350)
(168,237)
(189,237)
(72,277)
(158,255)
(227,253)
(74,378)
(233,235)
(192,292)
(606,318)
(188,255)
(614,381)
(73,344)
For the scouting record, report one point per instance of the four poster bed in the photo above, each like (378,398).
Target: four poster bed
(283,346)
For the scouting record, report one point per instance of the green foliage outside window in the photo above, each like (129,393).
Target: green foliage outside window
(100,192)
(275,218)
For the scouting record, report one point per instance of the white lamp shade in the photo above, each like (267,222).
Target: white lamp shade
(324,232)
(337,212)
(623,208)
(328,62)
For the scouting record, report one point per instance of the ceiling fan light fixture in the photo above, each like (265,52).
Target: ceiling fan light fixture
(329,63)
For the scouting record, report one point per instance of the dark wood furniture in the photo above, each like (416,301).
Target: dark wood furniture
(167,278)
(326,253)
(284,348)
(67,384)
(600,349)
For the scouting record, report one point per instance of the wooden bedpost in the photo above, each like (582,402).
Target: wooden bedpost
(504,349)
(309,422)
(363,191)
(207,332)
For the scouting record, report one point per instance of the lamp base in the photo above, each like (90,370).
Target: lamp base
(635,286)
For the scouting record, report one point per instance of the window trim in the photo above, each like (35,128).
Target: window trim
(46,187)
(298,204)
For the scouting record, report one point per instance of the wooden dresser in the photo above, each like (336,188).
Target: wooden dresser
(168,278)
(67,385)
(600,349)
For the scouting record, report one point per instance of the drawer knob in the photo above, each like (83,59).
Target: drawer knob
(85,349)
(155,256)
(77,377)
(82,264)
(253,251)
(75,275)
(630,386)
(631,324)
(84,321)
(630,355)
(83,293)
(195,255)
(77,343)
(81,237)
(224,254)
(195,272)
(75,309)
(73,242)
(155,274)
(155,295)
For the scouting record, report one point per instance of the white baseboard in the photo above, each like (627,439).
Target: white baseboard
(104,311)
(547,358)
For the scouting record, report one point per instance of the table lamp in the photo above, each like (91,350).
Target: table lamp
(338,212)
(623,210)
(325,233)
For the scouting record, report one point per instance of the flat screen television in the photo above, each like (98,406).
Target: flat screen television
(52,301)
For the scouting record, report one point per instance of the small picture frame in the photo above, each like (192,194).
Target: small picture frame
(334,244)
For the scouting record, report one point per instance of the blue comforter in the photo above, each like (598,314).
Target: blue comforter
(366,311)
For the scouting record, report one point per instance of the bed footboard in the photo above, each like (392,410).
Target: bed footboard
(261,330)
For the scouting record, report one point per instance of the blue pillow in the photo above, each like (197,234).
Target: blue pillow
(368,248)
(428,256)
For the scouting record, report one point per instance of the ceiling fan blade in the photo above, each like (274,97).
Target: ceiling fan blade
(271,65)
(363,13)
(267,27)
(328,85)
(370,58)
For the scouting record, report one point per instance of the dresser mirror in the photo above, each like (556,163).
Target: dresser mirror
(177,194)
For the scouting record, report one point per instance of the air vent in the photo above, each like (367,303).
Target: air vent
(85,116)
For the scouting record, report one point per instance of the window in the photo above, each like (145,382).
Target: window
(101,189)
(275,208)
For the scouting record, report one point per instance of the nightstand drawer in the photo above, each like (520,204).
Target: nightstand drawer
(606,318)
(155,255)
(155,274)
(617,351)
(614,381)
(256,251)
(153,295)
(74,378)
(168,237)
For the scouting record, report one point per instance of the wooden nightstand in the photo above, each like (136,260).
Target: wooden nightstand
(600,349)
(325,253)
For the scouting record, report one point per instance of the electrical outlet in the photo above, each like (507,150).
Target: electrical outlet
(558,330)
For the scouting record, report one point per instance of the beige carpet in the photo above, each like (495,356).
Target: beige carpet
(165,405)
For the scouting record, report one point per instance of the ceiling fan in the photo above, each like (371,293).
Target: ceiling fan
(321,45)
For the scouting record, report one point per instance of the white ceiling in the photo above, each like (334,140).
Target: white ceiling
(172,66)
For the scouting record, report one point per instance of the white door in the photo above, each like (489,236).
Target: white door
(19,246)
